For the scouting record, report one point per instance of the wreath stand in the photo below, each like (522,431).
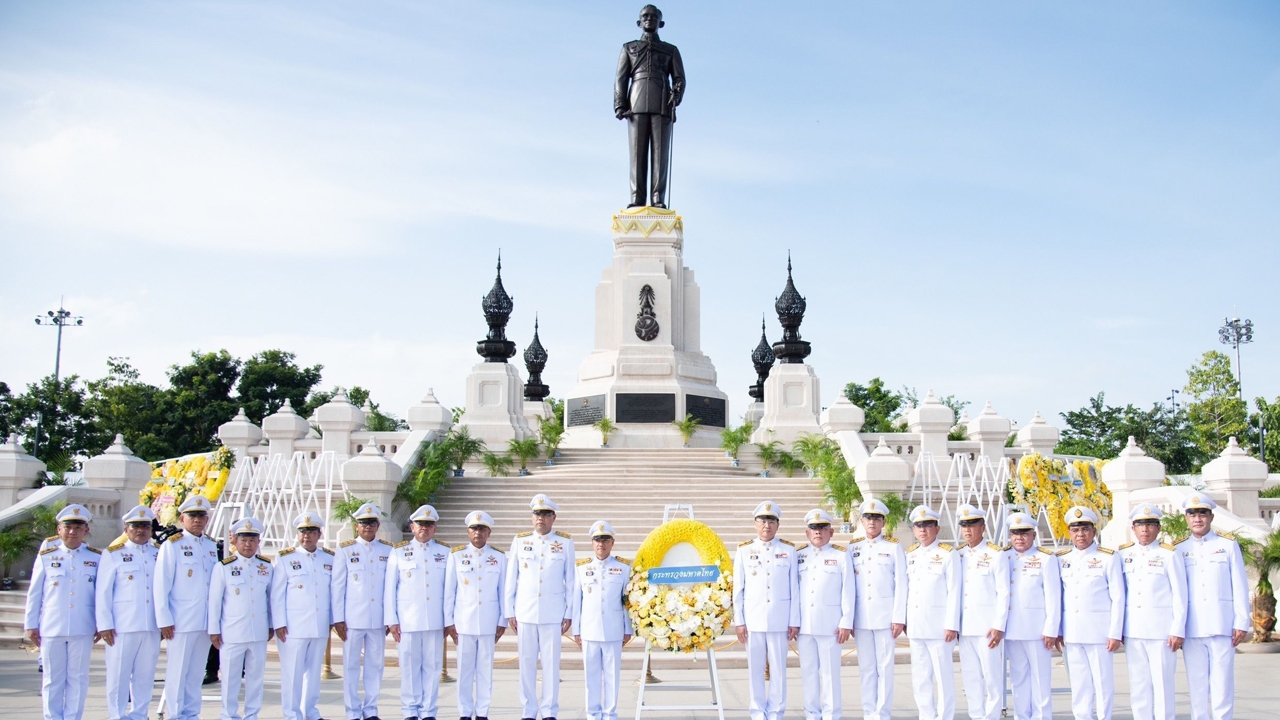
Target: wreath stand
(713,685)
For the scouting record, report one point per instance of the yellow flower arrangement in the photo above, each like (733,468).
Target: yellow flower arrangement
(1058,485)
(680,618)
(173,481)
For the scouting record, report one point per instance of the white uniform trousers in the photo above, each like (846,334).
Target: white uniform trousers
(933,671)
(601,663)
(767,703)
(421,654)
(66,675)
(1211,661)
(1031,674)
(1091,670)
(536,640)
(363,650)
(820,673)
(300,661)
(875,667)
(475,674)
(131,673)
(185,660)
(1151,669)
(982,671)
(242,662)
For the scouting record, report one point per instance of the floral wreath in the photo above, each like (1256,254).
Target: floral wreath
(1056,485)
(681,619)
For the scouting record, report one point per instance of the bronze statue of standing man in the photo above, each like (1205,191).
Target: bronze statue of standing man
(650,84)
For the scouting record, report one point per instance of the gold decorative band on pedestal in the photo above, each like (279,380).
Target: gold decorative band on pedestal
(647,219)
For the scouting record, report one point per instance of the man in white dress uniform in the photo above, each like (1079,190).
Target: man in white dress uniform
(1217,610)
(359,573)
(1155,616)
(127,617)
(933,616)
(300,607)
(828,595)
(240,620)
(414,606)
(184,567)
(1092,616)
(474,586)
(1034,629)
(766,609)
(880,613)
(984,613)
(601,625)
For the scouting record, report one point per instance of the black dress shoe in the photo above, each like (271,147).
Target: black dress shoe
(210,679)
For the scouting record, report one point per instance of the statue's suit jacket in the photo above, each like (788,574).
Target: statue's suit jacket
(655,73)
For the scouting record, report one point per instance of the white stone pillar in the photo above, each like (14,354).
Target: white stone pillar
(1131,471)
(932,421)
(372,476)
(239,434)
(1239,476)
(18,470)
(884,473)
(429,415)
(283,429)
(117,468)
(337,419)
(991,432)
(495,405)
(791,404)
(1038,436)
(842,416)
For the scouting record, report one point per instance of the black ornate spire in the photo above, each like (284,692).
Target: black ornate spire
(762,358)
(535,360)
(790,306)
(497,307)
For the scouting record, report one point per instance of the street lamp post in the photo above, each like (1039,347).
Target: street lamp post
(59,318)
(1236,333)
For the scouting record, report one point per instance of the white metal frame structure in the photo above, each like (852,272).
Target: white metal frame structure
(713,685)
(276,489)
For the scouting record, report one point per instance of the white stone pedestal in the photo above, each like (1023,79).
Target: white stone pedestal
(791,405)
(668,372)
(495,406)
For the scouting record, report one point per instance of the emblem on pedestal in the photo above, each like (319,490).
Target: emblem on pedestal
(646,322)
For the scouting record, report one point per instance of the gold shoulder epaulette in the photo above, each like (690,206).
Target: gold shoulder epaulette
(1106,551)
(786,542)
(564,535)
(994,546)
(498,550)
(403,543)
(327,550)
(1045,550)
(622,560)
(1181,540)
(175,537)
(838,546)
(804,547)
(890,539)
(1166,546)
(1228,536)
(228,559)
(1007,546)
(264,558)
(93,549)
(456,548)
(48,550)
(51,538)
(114,546)
(745,543)
(913,547)
(1063,551)
(1125,546)
(946,546)
(524,534)
(584,561)
(347,543)
(286,551)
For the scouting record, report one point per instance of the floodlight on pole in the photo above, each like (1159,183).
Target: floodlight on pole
(1235,333)
(59,318)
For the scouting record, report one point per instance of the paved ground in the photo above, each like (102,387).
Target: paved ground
(1257,691)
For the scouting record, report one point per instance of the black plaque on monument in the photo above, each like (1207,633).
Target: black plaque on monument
(709,411)
(646,407)
(584,410)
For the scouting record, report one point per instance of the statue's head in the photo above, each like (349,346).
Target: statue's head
(650,18)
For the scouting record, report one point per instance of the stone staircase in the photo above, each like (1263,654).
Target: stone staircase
(13,605)
(629,488)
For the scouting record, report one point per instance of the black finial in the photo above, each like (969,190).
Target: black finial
(497,306)
(535,360)
(790,306)
(762,358)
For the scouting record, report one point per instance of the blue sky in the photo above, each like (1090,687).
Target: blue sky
(1018,202)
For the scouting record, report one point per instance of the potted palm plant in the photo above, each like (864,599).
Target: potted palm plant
(788,463)
(732,440)
(606,428)
(525,450)
(497,465)
(841,491)
(552,433)
(898,508)
(687,427)
(1264,558)
(768,455)
(462,448)
(15,540)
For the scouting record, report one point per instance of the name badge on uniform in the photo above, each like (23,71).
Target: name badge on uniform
(383,558)
(615,571)
(328,567)
(780,556)
(1031,564)
(1155,562)
(831,562)
(90,563)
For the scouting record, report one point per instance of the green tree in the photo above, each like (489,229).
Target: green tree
(1215,409)
(65,424)
(199,400)
(120,403)
(7,424)
(1269,417)
(357,396)
(878,402)
(1102,431)
(557,407)
(271,377)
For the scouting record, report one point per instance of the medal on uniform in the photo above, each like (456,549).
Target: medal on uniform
(237,591)
(188,572)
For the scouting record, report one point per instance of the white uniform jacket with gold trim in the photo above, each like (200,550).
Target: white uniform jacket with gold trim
(766,586)
(933,591)
(828,593)
(598,613)
(1092,595)
(1035,595)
